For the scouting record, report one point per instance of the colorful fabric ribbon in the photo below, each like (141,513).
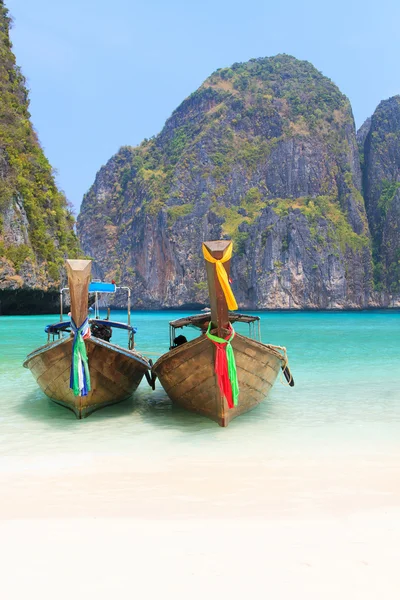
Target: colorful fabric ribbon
(79,380)
(225,366)
(223,275)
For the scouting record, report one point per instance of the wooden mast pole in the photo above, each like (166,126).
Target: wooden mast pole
(218,305)
(78,283)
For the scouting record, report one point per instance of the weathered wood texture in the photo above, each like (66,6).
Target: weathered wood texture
(218,305)
(78,283)
(187,375)
(115,374)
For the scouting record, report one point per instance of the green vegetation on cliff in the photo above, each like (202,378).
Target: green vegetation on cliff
(27,186)
(265,153)
(239,116)
(379,140)
(325,208)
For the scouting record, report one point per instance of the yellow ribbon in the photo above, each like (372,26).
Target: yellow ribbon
(223,275)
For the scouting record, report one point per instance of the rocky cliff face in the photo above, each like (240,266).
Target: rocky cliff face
(380,146)
(36,227)
(263,152)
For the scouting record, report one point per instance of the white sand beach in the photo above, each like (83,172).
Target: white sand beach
(123,527)
(299,498)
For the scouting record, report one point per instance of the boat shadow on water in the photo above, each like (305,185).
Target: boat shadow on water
(39,407)
(153,407)
(158,410)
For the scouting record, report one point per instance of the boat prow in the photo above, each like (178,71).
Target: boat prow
(115,374)
(85,371)
(220,374)
(187,374)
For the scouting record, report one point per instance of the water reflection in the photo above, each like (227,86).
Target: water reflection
(346,367)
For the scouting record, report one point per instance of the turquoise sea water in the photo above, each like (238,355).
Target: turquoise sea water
(347,394)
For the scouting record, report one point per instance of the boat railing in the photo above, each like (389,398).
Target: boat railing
(97,287)
(201,322)
(58,330)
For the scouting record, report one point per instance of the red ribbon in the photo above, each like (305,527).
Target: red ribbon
(221,370)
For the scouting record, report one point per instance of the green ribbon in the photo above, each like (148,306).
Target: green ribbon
(232,372)
(80,375)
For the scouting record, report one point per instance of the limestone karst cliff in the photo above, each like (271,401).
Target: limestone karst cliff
(380,148)
(36,226)
(264,152)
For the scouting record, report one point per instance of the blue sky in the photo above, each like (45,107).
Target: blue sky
(103,74)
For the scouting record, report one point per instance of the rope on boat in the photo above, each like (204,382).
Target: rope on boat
(277,351)
(151,377)
(79,380)
(225,366)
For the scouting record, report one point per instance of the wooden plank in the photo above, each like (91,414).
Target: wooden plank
(191,383)
(204,402)
(202,379)
(170,360)
(189,370)
(110,389)
(114,376)
(218,305)
(78,283)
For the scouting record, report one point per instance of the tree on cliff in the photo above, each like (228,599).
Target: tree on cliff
(36,223)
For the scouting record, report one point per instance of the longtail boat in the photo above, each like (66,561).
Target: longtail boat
(79,367)
(220,374)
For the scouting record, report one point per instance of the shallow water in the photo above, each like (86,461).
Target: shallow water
(346,398)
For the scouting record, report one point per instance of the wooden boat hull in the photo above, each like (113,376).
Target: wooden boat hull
(115,374)
(187,375)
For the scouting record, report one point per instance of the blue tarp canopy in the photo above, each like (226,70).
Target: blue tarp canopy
(102,286)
